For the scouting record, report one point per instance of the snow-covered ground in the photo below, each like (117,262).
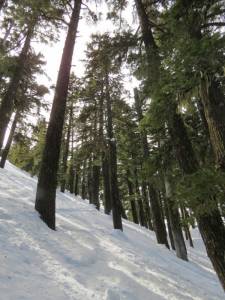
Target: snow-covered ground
(85,258)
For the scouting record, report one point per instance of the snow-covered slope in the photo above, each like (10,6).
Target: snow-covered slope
(85,258)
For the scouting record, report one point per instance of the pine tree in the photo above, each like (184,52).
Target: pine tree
(47,180)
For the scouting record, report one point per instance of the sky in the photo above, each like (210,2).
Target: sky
(52,53)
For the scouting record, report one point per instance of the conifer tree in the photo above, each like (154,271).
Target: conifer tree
(47,180)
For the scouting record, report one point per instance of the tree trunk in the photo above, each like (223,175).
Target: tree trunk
(84,183)
(146,205)
(158,224)
(5,152)
(174,217)
(213,100)
(66,153)
(95,185)
(77,178)
(89,181)
(115,200)
(132,199)
(106,184)
(47,181)
(169,226)
(186,226)
(71,177)
(141,213)
(7,103)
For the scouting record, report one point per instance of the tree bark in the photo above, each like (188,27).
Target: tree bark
(47,181)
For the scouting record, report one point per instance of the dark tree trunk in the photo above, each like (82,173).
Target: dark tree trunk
(66,153)
(174,217)
(95,185)
(115,199)
(7,103)
(146,205)
(210,225)
(106,184)
(213,100)
(185,216)
(47,181)
(71,178)
(84,183)
(141,213)
(169,226)
(132,199)
(5,152)
(77,179)
(158,223)
(89,181)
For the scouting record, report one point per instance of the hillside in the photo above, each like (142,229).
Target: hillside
(85,258)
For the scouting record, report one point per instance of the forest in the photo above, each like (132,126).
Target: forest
(141,132)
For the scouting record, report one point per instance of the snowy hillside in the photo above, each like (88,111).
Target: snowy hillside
(85,258)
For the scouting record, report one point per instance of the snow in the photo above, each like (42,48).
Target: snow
(85,258)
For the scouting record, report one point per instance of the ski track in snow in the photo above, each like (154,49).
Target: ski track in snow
(85,258)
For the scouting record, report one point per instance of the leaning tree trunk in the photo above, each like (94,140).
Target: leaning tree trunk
(7,103)
(5,151)
(47,181)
